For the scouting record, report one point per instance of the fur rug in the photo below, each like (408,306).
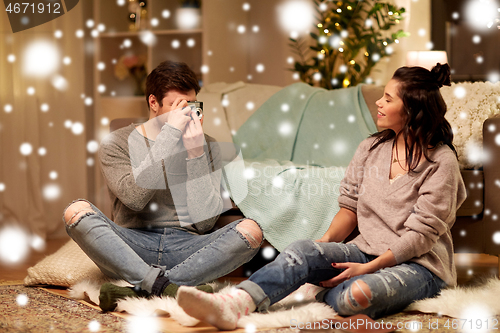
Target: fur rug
(461,302)
(299,306)
(475,302)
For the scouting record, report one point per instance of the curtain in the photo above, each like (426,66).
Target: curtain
(42,124)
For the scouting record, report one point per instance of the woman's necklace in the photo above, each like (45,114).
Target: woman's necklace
(395,157)
(396,160)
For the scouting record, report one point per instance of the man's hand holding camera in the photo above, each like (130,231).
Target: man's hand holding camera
(187,120)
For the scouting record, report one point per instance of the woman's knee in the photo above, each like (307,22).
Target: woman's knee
(77,210)
(251,231)
(354,299)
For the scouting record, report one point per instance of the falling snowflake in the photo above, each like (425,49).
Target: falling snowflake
(260,68)
(285,128)
(250,328)
(278,182)
(92,146)
(142,324)
(42,151)
(53,175)
(14,244)
(94,326)
(473,314)
(2,187)
(7,108)
(127,43)
(41,59)
(165,13)
(268,252)
(460,92)
(37,242)
(249,173)
(190,42)
(285,107)
(153,206)
(59,82)
(22,299)
(339,147)
(148,37)
(26,149)
(77,128)
(51,192)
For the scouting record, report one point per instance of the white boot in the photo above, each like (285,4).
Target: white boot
(219,310)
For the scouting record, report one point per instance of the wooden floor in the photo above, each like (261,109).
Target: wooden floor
(470,269)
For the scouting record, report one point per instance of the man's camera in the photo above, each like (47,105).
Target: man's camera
(197,107)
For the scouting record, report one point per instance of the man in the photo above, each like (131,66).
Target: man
(164,181)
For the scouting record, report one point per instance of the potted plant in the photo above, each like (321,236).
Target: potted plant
(351,38)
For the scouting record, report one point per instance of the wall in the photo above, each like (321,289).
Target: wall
(232,56)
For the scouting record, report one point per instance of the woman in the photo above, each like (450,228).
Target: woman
(402,190)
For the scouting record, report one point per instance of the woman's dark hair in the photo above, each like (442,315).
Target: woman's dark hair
(423,112)
(170,75)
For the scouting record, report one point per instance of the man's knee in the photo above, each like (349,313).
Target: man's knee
(76,210)
(252,232)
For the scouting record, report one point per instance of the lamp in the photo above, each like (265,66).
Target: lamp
(426,59)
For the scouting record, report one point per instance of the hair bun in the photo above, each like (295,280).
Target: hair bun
(441,74)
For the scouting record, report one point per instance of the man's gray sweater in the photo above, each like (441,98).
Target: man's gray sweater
(153,184)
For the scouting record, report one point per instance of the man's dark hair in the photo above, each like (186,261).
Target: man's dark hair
(170,75)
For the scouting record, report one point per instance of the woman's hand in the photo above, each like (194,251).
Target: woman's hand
(351,269)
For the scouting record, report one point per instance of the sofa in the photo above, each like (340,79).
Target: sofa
(477,230)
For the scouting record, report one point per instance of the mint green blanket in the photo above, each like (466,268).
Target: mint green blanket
(295,149)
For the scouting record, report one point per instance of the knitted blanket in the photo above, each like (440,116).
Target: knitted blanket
(289,201)
(307,125)
(295,148)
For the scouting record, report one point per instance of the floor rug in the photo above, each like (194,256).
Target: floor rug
(34,310)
